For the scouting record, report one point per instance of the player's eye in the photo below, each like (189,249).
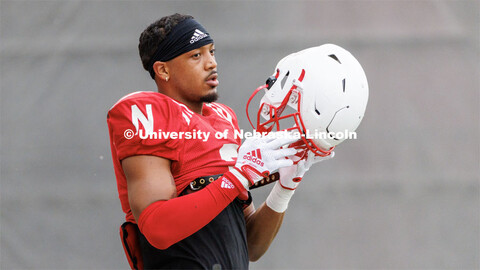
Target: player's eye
(212,51)
(196,55)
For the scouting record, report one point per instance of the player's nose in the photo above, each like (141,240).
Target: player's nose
(211,63)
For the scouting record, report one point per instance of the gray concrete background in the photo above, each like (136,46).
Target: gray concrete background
(405,195)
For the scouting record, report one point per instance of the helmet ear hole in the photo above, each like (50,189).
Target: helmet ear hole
(334,57)
(285,79)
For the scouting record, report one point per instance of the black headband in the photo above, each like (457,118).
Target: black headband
(187,35)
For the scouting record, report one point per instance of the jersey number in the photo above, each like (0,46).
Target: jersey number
(228,152)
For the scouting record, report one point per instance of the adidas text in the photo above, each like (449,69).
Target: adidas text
(254,160)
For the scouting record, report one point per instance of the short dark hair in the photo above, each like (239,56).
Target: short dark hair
(156,33)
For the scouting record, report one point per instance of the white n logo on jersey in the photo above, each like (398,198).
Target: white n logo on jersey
(147,121)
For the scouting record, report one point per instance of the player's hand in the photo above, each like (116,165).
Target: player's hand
(291,176)
(260,156)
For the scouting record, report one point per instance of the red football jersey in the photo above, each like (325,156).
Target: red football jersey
(150,123)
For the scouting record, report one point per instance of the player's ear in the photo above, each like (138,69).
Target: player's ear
(161,70)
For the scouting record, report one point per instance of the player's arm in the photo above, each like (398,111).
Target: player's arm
(163,217)
(148,180)
(264,223)
(262,227)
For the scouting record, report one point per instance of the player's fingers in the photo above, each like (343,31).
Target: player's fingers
(317,159)
(302,167)
(254,142)
(251,140)
(283,163)
(282,153)
(267,139)
(281,141)
(310,160)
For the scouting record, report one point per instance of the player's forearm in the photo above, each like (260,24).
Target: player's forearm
(262,227)
(164,223)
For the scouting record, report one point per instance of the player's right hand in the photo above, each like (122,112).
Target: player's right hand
(260,156)
(290,177)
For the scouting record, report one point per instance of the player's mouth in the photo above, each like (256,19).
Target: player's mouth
(212,79)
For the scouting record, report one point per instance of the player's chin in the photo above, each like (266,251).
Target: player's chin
(212,96)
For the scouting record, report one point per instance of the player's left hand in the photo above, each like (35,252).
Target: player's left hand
(291,176)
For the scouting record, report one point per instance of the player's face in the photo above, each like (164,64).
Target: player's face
(194,75)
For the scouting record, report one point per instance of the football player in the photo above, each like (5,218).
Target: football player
(184,190)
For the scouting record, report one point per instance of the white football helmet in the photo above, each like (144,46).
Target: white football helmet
(326,89)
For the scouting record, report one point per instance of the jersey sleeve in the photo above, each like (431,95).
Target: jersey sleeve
(141,126)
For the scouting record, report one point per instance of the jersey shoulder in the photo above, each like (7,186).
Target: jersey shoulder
(154,103)
(136,121)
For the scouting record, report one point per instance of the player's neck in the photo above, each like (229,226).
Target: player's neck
(195,107)
(192,105)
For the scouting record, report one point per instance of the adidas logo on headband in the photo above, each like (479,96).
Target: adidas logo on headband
(197,35)
(179,41)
